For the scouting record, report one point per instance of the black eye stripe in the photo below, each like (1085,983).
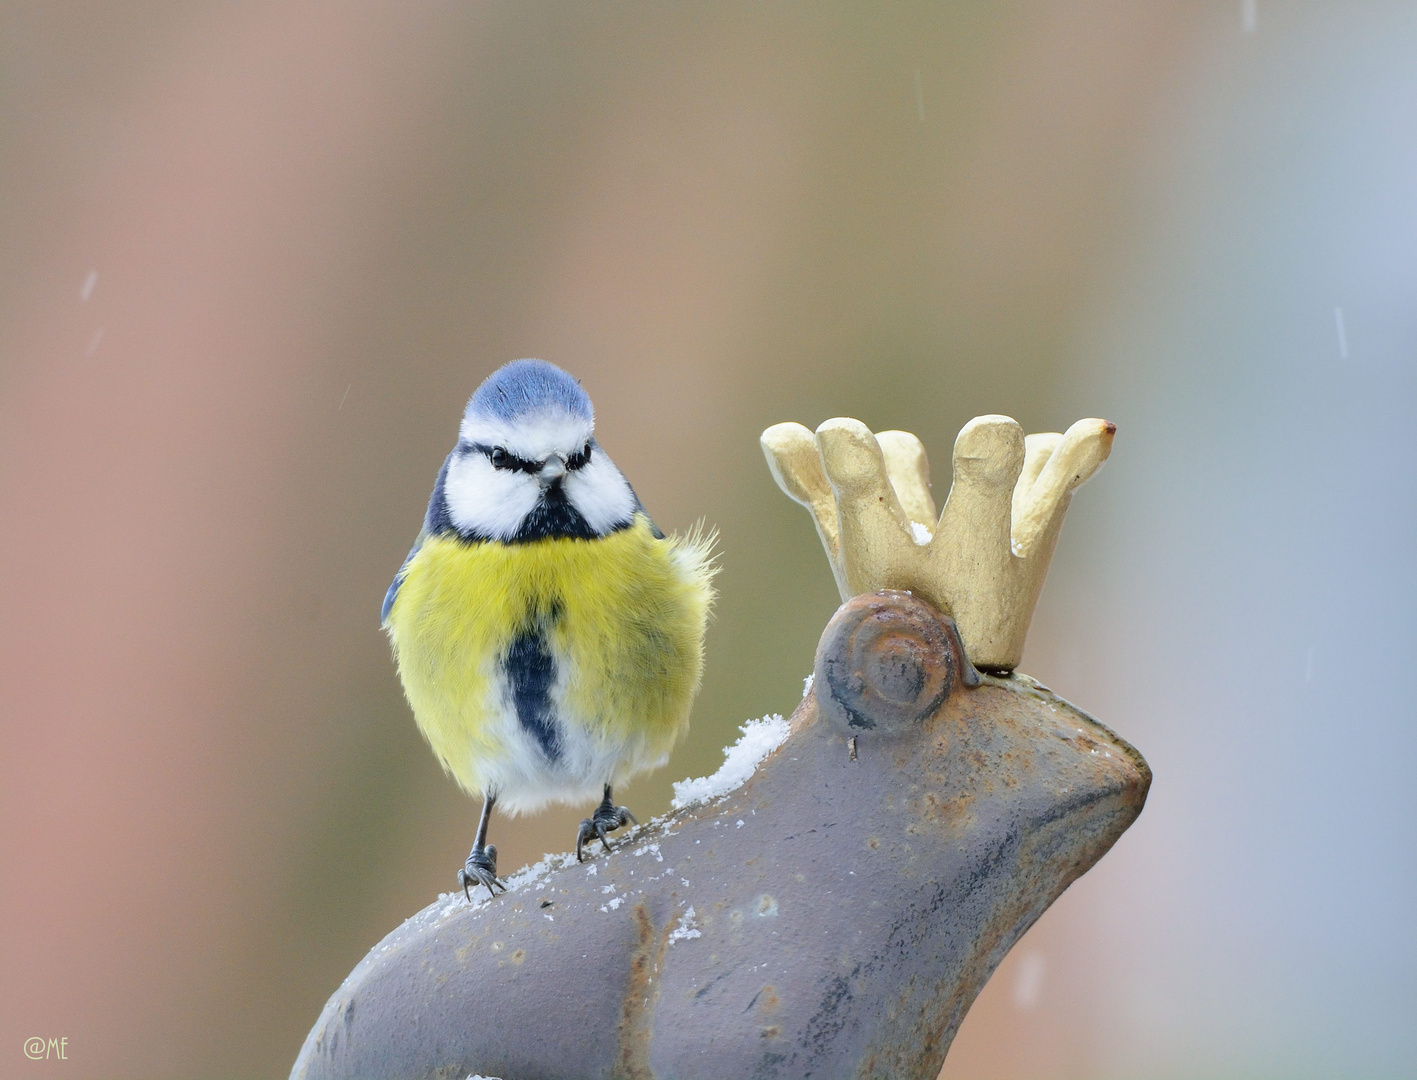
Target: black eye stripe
(501,458)
(580,459)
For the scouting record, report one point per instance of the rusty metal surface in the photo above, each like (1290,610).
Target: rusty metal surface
(845,912)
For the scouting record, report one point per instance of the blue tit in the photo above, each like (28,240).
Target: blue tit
(548,636)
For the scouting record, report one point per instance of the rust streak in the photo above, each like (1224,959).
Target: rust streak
(641,997)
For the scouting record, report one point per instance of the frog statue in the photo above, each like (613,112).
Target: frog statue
(829,904)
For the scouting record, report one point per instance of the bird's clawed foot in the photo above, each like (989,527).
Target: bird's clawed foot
(607,818)
(480,869)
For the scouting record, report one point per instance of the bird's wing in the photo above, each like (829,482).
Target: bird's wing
(398,578)
(434,521)
(640,509)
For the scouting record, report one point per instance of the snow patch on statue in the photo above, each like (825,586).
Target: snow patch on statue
(759,739)
(686,930)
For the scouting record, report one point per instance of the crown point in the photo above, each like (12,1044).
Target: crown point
(989,451)
(791,452)
(796,466)
(850,455)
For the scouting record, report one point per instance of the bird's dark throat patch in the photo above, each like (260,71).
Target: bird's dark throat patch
(555,518)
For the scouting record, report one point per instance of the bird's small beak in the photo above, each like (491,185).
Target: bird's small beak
(552,469)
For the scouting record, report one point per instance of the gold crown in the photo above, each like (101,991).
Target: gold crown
(983,558)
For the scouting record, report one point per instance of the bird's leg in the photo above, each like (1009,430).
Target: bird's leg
(481,865)
(607,818)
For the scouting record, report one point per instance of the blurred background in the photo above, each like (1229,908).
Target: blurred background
(254,257)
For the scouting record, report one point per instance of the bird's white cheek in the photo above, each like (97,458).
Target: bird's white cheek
(486,500)
(601,494)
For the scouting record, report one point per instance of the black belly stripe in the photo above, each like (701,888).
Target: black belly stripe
(531,669)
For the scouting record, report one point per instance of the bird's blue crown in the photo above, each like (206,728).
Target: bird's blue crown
(527,386)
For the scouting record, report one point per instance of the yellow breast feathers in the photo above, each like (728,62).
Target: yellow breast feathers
(545,669)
